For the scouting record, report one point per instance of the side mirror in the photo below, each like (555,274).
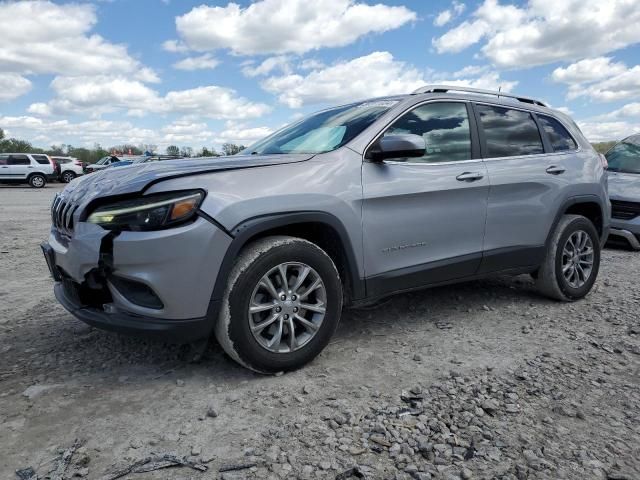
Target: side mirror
(397,146)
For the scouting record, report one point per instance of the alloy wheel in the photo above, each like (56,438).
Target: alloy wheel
(577,259)
(287,307)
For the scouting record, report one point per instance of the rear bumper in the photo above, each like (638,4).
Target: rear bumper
(173,331)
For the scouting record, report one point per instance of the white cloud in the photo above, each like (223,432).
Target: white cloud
(174,46)
(600,79)
(587,70)
(241,134)
(280,62)
(99,94)
(599,131)
(202,62)
(373,75)
(446,16)
(378,74)
(108,133)
(40,37)
(13,86)
(285,26)
(630,110)
(545,31)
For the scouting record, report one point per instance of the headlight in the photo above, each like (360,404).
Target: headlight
(153,212)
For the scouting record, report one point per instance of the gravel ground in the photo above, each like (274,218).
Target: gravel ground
(481,380)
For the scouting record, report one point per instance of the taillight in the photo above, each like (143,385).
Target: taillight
(603,161)
(79,164)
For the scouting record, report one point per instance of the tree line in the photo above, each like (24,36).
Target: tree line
(92,155)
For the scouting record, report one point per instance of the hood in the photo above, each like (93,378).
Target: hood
(624,186)
(135,178)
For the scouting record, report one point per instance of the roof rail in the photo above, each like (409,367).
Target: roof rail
(451,88)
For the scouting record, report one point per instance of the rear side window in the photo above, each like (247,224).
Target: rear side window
(560,139)
(18,160)
(62,160)
(509,133)
(41,159)
(444,127)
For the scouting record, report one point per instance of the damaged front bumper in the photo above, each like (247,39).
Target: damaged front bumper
(156,283)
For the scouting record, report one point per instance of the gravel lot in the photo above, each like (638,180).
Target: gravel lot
(481,380)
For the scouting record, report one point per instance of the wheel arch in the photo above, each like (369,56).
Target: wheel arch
(321,228)
(589,206)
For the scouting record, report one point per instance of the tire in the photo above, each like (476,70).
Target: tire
(37,180)
(246,286)
(551,280)
(67,176)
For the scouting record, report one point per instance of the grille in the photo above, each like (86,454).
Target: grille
(624,210)
(62,214)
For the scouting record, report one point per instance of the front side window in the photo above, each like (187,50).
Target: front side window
(444,127)
(18,160)
(509,133)
(323,132)
(3,159)
(560,139)
(625,156)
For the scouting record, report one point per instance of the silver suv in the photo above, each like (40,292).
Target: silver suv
(344,207)
(624,179)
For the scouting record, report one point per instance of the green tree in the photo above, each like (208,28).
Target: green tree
(173,150)
(232,148)
(603,147)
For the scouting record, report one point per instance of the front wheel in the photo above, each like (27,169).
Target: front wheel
(573,260)
(37,181)
(281,306)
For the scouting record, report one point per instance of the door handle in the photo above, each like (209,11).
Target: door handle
(555,170)
(469,177)
(5,167)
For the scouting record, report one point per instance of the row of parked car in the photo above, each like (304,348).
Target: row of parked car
(37,169)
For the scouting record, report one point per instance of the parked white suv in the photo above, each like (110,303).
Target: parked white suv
(34,169)
(70,168)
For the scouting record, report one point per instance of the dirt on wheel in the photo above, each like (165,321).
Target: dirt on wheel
(486,379)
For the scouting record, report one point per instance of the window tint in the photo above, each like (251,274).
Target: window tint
(558,136)
(444,127)
(18,160)
(625,156)
(509,133)
(3,159)
(41,159)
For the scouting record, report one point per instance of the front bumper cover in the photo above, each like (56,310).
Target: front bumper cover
(173,331)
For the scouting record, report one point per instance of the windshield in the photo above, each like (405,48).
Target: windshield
(323,131)
(625,156)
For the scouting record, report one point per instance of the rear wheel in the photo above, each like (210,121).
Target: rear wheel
(281,306)
(573,260)
(37,181)
(68,176)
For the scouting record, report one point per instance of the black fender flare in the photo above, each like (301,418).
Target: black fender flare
(577,200)
(243,232)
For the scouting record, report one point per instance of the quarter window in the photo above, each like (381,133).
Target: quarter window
(41,159)
(509,133)
(18,160)
(560,139)
(444,127)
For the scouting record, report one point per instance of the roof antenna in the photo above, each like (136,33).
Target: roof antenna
(499,90)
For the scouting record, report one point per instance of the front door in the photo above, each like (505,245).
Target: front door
(19,166)
(424,218)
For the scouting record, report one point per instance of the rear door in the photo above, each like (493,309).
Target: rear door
(423,218)
(4,168)
(19,166)
(527,185)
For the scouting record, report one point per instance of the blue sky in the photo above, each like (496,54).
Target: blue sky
(199,74)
